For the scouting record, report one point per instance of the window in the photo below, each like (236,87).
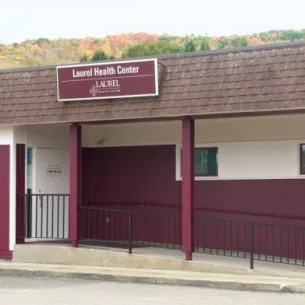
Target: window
(206,163)
(302,159)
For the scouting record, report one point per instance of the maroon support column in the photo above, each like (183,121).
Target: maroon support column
(20,189)
(187,187)
(75,182)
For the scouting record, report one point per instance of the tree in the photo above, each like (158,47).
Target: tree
(223,43)
(42,40)
(190,46)
(99,55)
(239,42)
(136,51)
(74,43)
(84,58)
(204,45)
(166,47)
(150,49)
(292,35)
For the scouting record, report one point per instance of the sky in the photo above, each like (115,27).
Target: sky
(32,19)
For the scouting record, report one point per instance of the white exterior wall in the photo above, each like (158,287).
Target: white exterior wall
(259,160)
(255,148)
(253,160)
(248,148)
(131,134)
(46,136)
(6,135)
(54,138)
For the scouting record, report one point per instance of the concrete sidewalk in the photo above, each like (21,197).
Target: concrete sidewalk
(168,277)
(149,258)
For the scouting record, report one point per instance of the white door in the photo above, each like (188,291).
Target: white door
(50,204)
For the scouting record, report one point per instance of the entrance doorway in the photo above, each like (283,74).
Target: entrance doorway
(48,193)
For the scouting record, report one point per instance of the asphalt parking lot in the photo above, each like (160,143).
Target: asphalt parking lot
(42,291)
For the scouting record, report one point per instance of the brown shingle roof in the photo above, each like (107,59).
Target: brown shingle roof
(266,78)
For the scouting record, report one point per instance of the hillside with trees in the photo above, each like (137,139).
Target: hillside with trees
(43,51)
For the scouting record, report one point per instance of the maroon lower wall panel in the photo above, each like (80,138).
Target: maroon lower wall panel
(20,189)
(268,201)
(5,253)
(274,203)
(143,178)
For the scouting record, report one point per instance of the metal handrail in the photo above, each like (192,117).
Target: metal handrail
(253,240)
(132,228)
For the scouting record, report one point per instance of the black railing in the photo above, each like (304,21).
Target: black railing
(130,228)
(46,216)
(43,216)
(255,241)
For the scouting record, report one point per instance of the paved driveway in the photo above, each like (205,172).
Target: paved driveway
(42,291)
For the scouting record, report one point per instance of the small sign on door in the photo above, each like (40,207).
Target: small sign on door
(54,170)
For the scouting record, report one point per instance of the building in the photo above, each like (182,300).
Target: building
(232,118)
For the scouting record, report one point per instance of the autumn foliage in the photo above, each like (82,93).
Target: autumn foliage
(43,51)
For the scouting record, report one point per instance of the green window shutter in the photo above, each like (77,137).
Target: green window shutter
(212,161)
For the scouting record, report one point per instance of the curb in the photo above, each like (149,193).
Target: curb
(227,285)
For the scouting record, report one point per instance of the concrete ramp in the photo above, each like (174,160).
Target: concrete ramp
(146,258)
